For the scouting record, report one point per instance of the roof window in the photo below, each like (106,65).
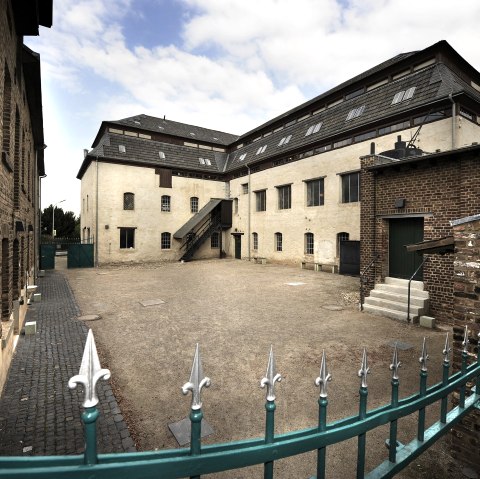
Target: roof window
(313,129)
(161,154)
(356,112)
(242,156)
(403,95)
(122,149)
(261,149)
(285,140)
(205,161)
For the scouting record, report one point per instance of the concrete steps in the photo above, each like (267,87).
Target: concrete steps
(390,299)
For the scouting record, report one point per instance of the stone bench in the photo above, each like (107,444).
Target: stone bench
(259,260)
(328,267)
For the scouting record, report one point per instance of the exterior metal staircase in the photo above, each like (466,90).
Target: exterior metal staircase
(195,239)
(390,299)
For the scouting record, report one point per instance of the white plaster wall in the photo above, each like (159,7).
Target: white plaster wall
(468,132)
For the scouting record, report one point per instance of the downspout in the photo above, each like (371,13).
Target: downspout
(454,115)
(249,213)
(96,216)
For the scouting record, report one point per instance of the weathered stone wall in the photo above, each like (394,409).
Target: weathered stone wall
(466,312)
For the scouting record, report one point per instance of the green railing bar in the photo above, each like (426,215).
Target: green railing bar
(322,425)
(215,458)
(444,403)
(362,437)
(392,444)
(421,411)
(196,416)
(269,436)
(463,371)
(89,418)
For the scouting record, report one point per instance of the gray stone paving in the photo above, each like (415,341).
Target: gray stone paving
(39,414)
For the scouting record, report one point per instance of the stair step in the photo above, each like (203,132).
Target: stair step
(388,313)
(414,301)
(415,310)
(404,283)
(400,290)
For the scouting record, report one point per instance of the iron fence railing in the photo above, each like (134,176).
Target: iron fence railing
(198,460)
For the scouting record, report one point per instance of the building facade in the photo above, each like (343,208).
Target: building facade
(22,145)
(294,182)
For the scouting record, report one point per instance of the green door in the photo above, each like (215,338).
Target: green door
(47,256)
(403,232)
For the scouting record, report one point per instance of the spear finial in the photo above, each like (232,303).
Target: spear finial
(197,381)
(271,377)
(424,357)
(324,377)
(364,369)
(465,340)
(395,363)
(90,372)
(446,349)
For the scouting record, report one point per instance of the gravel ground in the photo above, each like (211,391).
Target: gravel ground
(236,310)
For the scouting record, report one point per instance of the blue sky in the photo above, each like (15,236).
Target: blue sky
(225,64)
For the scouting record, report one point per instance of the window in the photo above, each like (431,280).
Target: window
(309,243)
(261,200)
(392,128)
(166,241)
(315,192)
(255,241)
(205,161)
(194,204)
(356,112)
(278,242)
(127,238)
(165,203)
(351,187)
(245,188)
(215,240)
(285,140)
(341,237)
(235,205)
(341,143)
(128,201)
(284,197)
(365,136)
(314,129)
(403,95)
(122,149)
(242,156)
(261,149)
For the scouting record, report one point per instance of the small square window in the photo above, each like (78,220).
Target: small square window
(245,188)
(215,240)
(128,201)
(122,149)
(242,156)
(194,204)
(166,241)
(165,203)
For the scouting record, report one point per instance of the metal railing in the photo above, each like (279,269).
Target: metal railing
(197,460)
(410,284)
(362,281)
(195,239)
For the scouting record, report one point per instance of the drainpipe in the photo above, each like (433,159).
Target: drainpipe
(96,216)
(454,114)
(249,213)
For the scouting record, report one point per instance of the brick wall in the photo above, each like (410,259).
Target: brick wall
(441,189)
(466,311)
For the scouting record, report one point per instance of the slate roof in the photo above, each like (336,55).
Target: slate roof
(169,127)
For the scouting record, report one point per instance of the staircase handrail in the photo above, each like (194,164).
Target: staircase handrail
(410,283)
(205,230)
(362,275)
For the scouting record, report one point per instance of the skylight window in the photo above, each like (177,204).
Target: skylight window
(403,95)
(208,162)
(137,122)
(201,161)
(192,134)
(313,129)
(261,149)
(161,154)
(122,149)
(356,112)
(285,140)
(205,161)
(242,156)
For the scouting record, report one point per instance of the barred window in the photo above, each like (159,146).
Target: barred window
(255,241)
(278,242)
(215,240)
(128,201)
(309,243)
(166,240)
(165,203)
(194,204)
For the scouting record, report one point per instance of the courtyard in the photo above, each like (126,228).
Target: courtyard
(152,315)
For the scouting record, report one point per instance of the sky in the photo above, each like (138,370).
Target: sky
(228,65)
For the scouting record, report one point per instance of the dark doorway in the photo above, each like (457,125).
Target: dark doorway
(238,246)
(403,232)
(349,257)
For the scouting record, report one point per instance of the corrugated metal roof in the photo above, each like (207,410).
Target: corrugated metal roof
(195,220)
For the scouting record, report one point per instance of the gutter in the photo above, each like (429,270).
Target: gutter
(249,212)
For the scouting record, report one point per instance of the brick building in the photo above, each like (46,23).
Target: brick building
(22,145)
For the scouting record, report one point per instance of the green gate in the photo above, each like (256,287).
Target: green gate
(47,256)
(198,459)
(80,255)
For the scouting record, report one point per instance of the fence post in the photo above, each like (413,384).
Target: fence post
(195,385)
(392,445)
(269,380)
(321,382)
(464,365)
(90,373)
(362,373)
(446,367)
(423,390)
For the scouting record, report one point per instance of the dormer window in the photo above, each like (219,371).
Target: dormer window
(261,149)
(242,157)
(285,140)
(356,112)
(403,95)
(313,129)
(161,155)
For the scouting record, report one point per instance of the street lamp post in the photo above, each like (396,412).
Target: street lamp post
(53,217)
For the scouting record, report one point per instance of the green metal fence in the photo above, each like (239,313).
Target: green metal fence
(199,460)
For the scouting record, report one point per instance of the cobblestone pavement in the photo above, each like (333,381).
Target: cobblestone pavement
(39,414)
